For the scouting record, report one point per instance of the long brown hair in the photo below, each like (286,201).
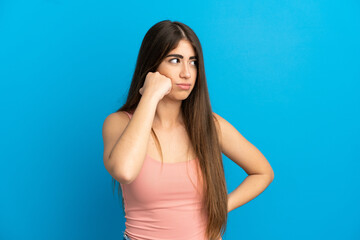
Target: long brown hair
(199,120)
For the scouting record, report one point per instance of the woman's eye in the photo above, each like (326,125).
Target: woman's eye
(172,60)
(176,60)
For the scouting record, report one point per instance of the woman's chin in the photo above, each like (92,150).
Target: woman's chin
(176,96)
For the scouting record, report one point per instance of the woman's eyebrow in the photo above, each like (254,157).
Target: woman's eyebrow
(180,56)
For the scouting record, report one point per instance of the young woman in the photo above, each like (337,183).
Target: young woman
(164,145)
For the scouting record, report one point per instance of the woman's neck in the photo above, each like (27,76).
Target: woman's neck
(168,114)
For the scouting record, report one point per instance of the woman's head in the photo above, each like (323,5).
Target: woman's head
(164,38)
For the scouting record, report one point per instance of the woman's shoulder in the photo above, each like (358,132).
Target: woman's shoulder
(218,119)
(128,114)
(119,114)
(215,115)
(116,119)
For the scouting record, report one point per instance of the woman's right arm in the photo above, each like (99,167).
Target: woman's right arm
(123,159)
(126,142)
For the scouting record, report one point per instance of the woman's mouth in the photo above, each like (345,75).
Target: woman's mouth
(184,86)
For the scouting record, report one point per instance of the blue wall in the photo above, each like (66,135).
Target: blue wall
(284,73)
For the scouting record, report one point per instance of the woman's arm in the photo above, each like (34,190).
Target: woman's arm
(125,146)
(249,158)
(125,142)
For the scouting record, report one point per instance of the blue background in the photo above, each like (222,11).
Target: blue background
(284,73)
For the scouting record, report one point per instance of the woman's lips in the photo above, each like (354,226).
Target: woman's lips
(184,86)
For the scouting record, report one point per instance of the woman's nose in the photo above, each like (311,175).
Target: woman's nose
(185,72)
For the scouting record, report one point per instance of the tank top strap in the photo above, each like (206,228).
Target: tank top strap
(129,114)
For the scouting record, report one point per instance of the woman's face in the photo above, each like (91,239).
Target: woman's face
(180,66)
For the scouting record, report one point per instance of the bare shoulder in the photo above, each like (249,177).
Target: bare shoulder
(217,116)
(113,126)
(116,120)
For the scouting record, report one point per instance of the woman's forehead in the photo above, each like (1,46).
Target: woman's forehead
(184,48)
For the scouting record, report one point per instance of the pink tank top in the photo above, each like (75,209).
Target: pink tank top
(165,203)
